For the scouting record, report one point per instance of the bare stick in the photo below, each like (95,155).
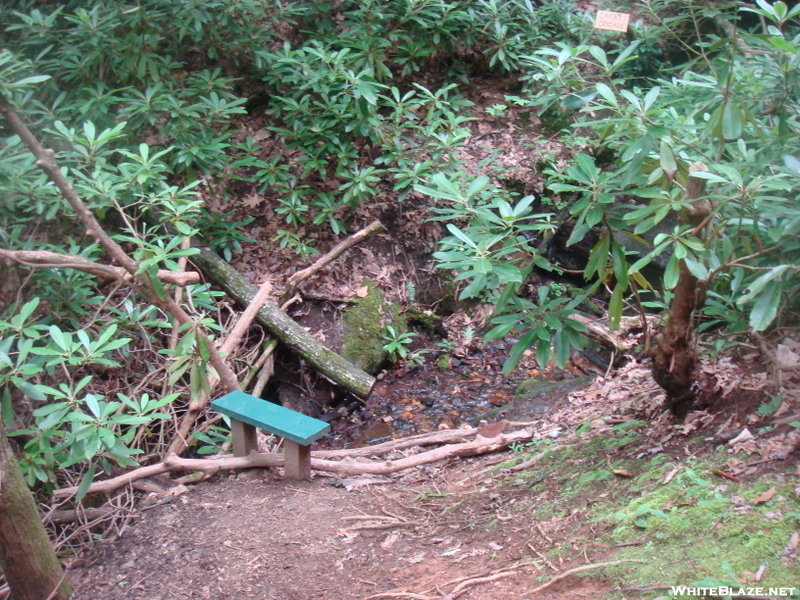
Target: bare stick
(329,257)
(462,587)
(402,595)
(344,467)
(447,436)
(580,569)
(176,463)
(54,260)
(350,466)
(182,435)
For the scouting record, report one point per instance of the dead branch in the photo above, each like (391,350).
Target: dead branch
(602,334)
(333,254)
(532,461)
(286,329)
(462,587)
(447,436)
(175,463)
(182,436)
(54,260)
(84,514)
(580,569)
(349,466)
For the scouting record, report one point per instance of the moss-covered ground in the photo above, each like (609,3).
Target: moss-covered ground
(672,515)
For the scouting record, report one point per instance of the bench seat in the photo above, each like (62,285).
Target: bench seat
(298,430)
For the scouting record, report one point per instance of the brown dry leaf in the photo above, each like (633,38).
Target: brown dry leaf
(622,473)
(766,496)
(670,475)
(362,291)
(252,200)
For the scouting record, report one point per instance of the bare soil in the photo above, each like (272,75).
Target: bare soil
(254,536)
(465,528)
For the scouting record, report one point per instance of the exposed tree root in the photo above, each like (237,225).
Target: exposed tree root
(580,569)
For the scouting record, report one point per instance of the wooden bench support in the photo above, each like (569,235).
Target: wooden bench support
(298,460)
(298,431)
(244,438)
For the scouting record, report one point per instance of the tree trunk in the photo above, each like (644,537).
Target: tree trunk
(284,328)
(675,353)
(26,554)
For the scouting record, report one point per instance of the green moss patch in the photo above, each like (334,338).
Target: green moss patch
(364,322)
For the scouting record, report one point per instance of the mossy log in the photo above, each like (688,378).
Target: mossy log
(284,327)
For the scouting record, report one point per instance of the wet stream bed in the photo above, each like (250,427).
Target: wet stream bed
(427,399)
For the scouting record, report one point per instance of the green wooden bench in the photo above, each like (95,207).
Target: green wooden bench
(298,430)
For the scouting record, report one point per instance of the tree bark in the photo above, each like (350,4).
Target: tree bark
(675,353)
(283,327)
(26,554)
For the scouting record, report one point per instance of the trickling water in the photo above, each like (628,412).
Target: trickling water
(426,400)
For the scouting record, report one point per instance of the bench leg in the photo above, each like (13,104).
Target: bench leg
(297,460)
(244,438)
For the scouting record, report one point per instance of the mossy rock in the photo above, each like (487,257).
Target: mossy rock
(364,323)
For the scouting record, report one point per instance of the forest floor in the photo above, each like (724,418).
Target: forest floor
(607,478)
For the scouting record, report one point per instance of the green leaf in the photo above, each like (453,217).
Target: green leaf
(576,101)
(30,390)
(86,482)
(543,353)
(598,258)
(671,273)
(607,93)
(474,288)
(615,307)
(755,288)
(561,347)
(731,121)
(620,264)
(766,306)
(667,159)
(461,235)
(517,350)
(7,408)
(696,268)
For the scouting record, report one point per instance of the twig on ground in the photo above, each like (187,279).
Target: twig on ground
(532,461)
(297,278)
(580,569)
(403,595)
(544,535)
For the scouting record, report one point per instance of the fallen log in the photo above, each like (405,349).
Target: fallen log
(348,466)
(284,327)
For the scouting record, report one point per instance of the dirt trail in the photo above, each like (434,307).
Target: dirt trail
(254,536)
